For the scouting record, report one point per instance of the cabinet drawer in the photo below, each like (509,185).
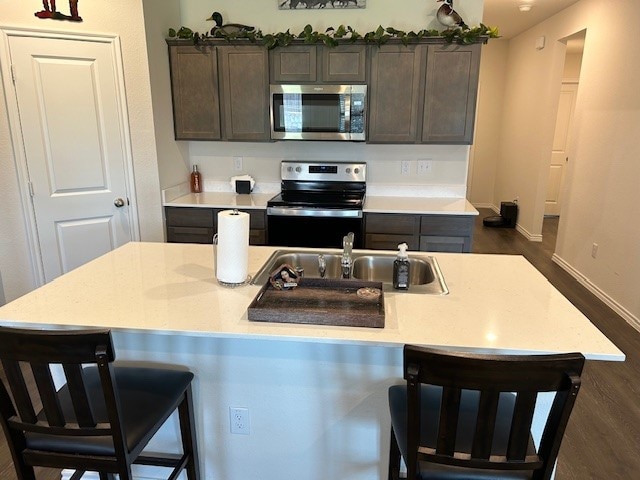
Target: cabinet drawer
(189,217)
(446,225)
(391,223)
(189,235)
(431,243)
(257,218)
(257,237)
(378,241)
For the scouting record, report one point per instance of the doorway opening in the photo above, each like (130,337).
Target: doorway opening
(563,137)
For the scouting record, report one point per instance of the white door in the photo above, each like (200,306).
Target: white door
(75,143)
(559,156)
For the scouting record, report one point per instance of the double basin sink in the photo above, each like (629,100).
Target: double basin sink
(425,274)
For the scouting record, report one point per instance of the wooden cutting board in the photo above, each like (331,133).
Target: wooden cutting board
(319,301)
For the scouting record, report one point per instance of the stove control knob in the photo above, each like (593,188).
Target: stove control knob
(348,170)
(356,170)
(289,169)
(298,169)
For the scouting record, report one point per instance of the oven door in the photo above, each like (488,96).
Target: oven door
(291,227)
(318,112)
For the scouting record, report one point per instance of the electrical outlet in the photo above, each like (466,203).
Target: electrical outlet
(239,420)
(594,250)
(405,167)
(237,163)
(424,166)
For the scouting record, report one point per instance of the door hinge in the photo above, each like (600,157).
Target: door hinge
(30,187)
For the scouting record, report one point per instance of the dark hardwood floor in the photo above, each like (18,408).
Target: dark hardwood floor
(602,441)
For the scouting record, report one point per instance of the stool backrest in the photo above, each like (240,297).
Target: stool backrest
(38,351)
(524,376)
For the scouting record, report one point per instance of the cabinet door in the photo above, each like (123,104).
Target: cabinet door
(344,64)
(194,85)
(189,217)
(295,63)
(392,223)
(451,92)
(430,243)
(244,79)
(380,241)
(395,93)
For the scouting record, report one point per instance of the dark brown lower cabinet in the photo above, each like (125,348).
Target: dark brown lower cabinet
(427,233)
(198,225)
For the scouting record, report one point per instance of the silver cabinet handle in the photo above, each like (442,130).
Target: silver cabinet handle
(119,202)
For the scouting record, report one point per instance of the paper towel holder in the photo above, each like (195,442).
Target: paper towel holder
(215,264)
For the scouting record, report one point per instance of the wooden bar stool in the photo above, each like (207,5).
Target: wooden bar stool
(464,416)
(101,419)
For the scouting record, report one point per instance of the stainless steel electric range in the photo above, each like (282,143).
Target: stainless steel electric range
(319,203)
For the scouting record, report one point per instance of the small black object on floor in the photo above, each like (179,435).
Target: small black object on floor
(507,218)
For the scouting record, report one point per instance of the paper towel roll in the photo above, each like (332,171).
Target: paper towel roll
(232,262)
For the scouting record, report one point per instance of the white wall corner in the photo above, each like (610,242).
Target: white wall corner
(589,285)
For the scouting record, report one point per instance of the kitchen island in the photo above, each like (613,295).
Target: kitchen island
(316,395)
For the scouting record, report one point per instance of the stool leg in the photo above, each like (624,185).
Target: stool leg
(394,457)
(188,433)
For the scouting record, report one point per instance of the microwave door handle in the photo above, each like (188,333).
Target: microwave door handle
(347,113)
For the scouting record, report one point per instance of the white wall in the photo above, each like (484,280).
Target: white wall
(602,194)
(483,162)
(264,14)
(173,157)
(121,17)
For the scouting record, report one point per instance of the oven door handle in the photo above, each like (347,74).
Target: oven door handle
(313,212)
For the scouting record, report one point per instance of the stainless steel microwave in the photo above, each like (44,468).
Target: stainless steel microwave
(318,112)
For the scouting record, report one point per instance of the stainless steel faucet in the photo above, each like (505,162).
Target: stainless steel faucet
(322,265)
(347,247)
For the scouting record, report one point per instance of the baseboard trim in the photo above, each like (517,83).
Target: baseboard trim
(528,235)
(610,302)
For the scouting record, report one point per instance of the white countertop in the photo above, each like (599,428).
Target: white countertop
(373,204)
(497,303)
(221,200)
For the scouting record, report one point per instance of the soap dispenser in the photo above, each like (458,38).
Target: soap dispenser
(401,267)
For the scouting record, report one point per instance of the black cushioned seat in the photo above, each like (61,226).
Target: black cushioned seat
(146,395)
(430,397)
(103,416)
(465,416)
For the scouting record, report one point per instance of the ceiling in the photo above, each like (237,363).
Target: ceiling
(511,21)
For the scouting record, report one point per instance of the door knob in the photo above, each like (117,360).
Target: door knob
(119,202)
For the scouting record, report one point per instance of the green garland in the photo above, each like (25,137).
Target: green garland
(333,37)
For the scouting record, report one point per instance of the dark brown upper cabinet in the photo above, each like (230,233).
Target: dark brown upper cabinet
(395,93)
(194,83)
(451,93)
(244,88)
(220,92)
(317,63)
(423,93)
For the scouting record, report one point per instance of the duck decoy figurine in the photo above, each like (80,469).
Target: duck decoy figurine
(229,27)
(448,17)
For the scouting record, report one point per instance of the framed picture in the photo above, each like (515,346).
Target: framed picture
(319,4)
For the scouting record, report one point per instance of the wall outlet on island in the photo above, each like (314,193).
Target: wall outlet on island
(239,420)
(405,167)
(237,163)
(425,166)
